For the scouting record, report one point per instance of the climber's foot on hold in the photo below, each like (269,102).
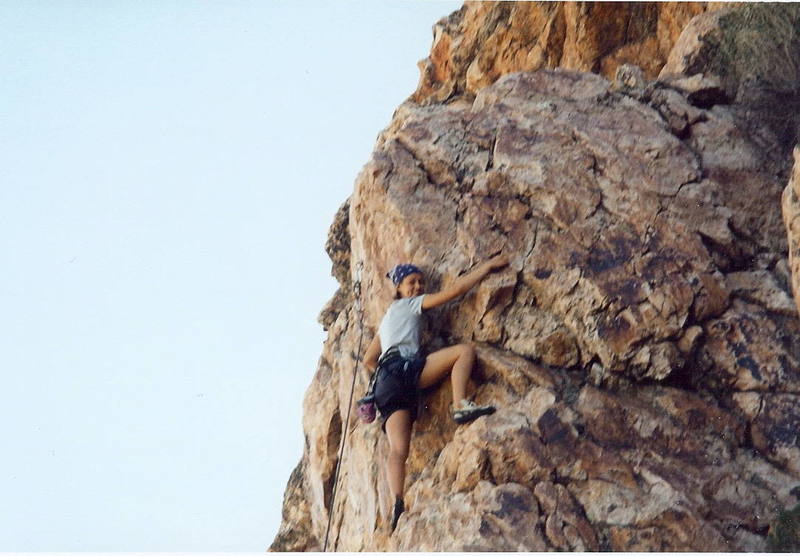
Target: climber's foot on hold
(399,507)
(467,411)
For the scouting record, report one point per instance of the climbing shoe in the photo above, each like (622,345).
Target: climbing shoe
(399,507)
(467,411)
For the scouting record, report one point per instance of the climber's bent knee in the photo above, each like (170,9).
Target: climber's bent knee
(439,364)
(467,350)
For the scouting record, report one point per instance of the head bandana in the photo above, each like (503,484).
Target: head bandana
(401,271)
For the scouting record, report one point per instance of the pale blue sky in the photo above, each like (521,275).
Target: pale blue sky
(169,171)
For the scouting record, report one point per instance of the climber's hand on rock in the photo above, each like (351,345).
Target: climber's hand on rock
(465,283)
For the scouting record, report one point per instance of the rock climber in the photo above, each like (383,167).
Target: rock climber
(403,371)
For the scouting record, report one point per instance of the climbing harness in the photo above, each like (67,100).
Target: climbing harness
(360,312)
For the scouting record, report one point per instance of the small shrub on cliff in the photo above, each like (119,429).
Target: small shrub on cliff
(784,533)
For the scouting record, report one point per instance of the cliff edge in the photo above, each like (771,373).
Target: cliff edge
(643,346)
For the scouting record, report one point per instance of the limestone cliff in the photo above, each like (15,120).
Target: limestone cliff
(643,345)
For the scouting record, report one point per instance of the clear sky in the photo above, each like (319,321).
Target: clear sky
(168,172)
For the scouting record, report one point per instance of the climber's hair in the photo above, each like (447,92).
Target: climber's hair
(398,273)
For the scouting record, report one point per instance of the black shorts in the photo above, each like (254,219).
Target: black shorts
(396,385)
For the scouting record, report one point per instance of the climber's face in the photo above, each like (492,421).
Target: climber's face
(412,285)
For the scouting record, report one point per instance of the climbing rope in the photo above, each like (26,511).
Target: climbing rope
(359,311)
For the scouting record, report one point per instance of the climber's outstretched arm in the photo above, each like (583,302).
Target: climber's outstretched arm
(464,283)
(372,353)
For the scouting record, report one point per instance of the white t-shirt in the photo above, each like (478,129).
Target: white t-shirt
(400,326)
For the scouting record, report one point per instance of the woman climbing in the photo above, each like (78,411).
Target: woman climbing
(404,370)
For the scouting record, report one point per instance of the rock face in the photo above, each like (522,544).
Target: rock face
(484,40)
(643,346)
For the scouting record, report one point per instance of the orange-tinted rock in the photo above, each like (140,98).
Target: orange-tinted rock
(483,41)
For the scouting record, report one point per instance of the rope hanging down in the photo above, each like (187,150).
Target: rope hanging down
(359,311)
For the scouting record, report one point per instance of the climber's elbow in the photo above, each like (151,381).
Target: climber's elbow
(372,353)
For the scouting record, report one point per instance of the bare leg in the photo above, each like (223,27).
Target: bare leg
(457,359)
(398,430)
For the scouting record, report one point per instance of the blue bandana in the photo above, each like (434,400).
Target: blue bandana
(401,271)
